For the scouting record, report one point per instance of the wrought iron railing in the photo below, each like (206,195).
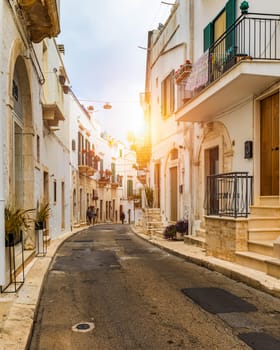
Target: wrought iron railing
(252,36)
(229,194)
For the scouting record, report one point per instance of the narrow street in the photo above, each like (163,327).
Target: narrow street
(108,289)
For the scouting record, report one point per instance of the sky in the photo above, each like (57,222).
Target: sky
(102,56)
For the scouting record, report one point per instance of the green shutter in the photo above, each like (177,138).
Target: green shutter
(113,168)
(208,36)
(230,19)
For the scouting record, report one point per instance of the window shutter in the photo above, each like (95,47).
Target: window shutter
(230,19)
(208,36)
(172,97)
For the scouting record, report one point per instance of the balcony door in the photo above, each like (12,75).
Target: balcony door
(270,146)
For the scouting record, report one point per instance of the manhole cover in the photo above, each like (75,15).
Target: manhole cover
(217,300)
(83,327)
(260,341)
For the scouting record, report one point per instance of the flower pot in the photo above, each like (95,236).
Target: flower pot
(40,225)
(12,239)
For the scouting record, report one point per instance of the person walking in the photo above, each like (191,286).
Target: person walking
(122,216)
(89,215)
(94,214)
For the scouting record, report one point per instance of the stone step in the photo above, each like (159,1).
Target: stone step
(273,267)
(195,240)
(263,234)
(261,211)
(201,232)
(253,260)
(154,222)
(268,201)
(264,222)
(270,266)
(261,247)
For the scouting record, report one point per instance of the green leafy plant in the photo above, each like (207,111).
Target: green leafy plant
(16,221)
(149,192)
(42,214)
(182,226)
(170,232)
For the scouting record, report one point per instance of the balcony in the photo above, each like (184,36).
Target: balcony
(86,170)
(52,115)
(105,177)
(229,194)
(243,62)
(86,162)
(41,18)
(103,181)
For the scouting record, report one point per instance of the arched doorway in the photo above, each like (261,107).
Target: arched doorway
(21,134)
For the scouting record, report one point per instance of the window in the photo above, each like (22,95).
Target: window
(129,188)
(54,191)
(220,24)
(80,149)
(87,155)
(101,165)
(174,154)
(167,96)
(113,168)
(38,148)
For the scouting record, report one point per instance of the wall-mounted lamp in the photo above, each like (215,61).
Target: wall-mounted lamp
(248,149)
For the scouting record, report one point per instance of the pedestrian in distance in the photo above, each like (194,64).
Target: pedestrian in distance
(122,216)
(89,215)
(94,215)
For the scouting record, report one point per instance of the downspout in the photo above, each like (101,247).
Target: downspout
(2,201)
(191,29)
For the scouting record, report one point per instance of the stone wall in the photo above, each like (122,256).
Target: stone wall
(225,236)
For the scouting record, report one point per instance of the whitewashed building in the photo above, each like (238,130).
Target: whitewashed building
(167,51)
(51,147)
(26,112)
(228,100)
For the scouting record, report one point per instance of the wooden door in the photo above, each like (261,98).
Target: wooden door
(212,168)
(157,186)
(270,146)
(173,193)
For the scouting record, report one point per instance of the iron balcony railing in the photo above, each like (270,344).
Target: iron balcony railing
(252,36)
(229,194)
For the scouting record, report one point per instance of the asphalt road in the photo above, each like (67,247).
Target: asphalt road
(108,289)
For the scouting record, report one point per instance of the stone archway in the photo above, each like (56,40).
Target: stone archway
(215,137)
(21,139)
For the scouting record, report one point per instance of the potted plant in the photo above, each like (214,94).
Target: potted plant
(42,214)
(182,228)
(170,232)
(16,221)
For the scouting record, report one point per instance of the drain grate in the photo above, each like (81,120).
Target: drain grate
(260,341)
(216,300)
(83,327)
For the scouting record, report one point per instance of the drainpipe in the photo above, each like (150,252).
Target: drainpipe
(2,201)
(191,30)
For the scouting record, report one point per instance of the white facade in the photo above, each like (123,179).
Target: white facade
(224,125)
(169,166)
(51,146)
